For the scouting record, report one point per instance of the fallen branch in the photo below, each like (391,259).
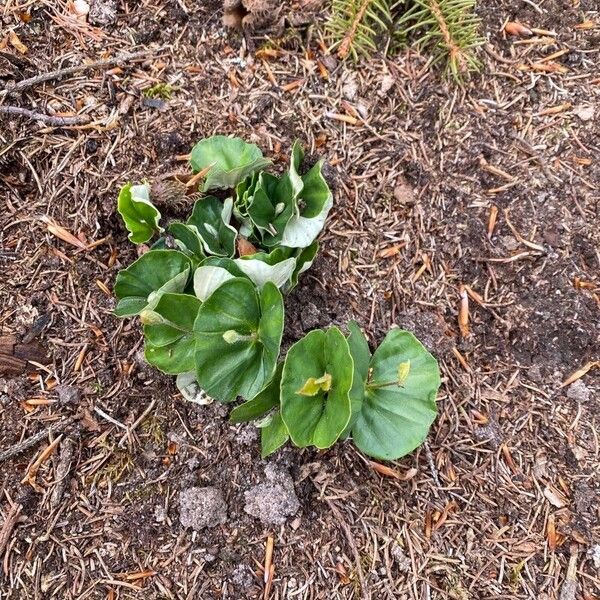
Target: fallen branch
(63,468)
(47,119)
(60,73)
(35,439)
(9,524)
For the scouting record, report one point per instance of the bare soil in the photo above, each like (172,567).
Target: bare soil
(504,499)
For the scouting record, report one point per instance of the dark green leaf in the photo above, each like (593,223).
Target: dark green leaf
(140,216)
(273,435)
(169,333)
(155,272)
(210,219)
(262,403)
(320,419)
(238,334)
(394,419)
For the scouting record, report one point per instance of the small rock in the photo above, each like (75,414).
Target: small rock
(386,84)
(404,193)
(103,12)
(242,578)
(310,316)
(248,435)
(400,558)
(585,113)
(202,507)
(160,514)
(349,85)
(273,501)
(579,391)
(67,394)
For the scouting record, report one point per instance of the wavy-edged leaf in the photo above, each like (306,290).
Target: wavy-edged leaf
(317,420)
(231,160)
(140,285)
(210,220)
(395,419)
(169,333)
(304,260)
(276,266)
(140,216)
(238,335)
(316,200)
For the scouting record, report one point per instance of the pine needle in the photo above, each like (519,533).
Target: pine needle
(447,29)
(346,44)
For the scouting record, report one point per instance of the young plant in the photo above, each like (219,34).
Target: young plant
(209,296)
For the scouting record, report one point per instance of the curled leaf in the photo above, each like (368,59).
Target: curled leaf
(140,216)
(156,272)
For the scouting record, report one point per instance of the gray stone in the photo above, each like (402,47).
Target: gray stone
(103,12)
(202,507)
(274,500)
(579,391)
(67,394)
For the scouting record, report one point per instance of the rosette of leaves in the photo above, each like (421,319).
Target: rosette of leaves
(289,210)
(228,161)
(238,333)
(331,386)
(393,394)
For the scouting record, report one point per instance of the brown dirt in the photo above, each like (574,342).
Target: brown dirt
(512,457)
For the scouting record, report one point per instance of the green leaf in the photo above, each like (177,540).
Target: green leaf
(169,333)
(189,237)
(361,356)
(140,285)
(304,260)
(316,201)
(262,403)
(140,216)
(394,419)
(273,435)
(231,160)
(277,267)
(210,220)
(320,419)
(241,366)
